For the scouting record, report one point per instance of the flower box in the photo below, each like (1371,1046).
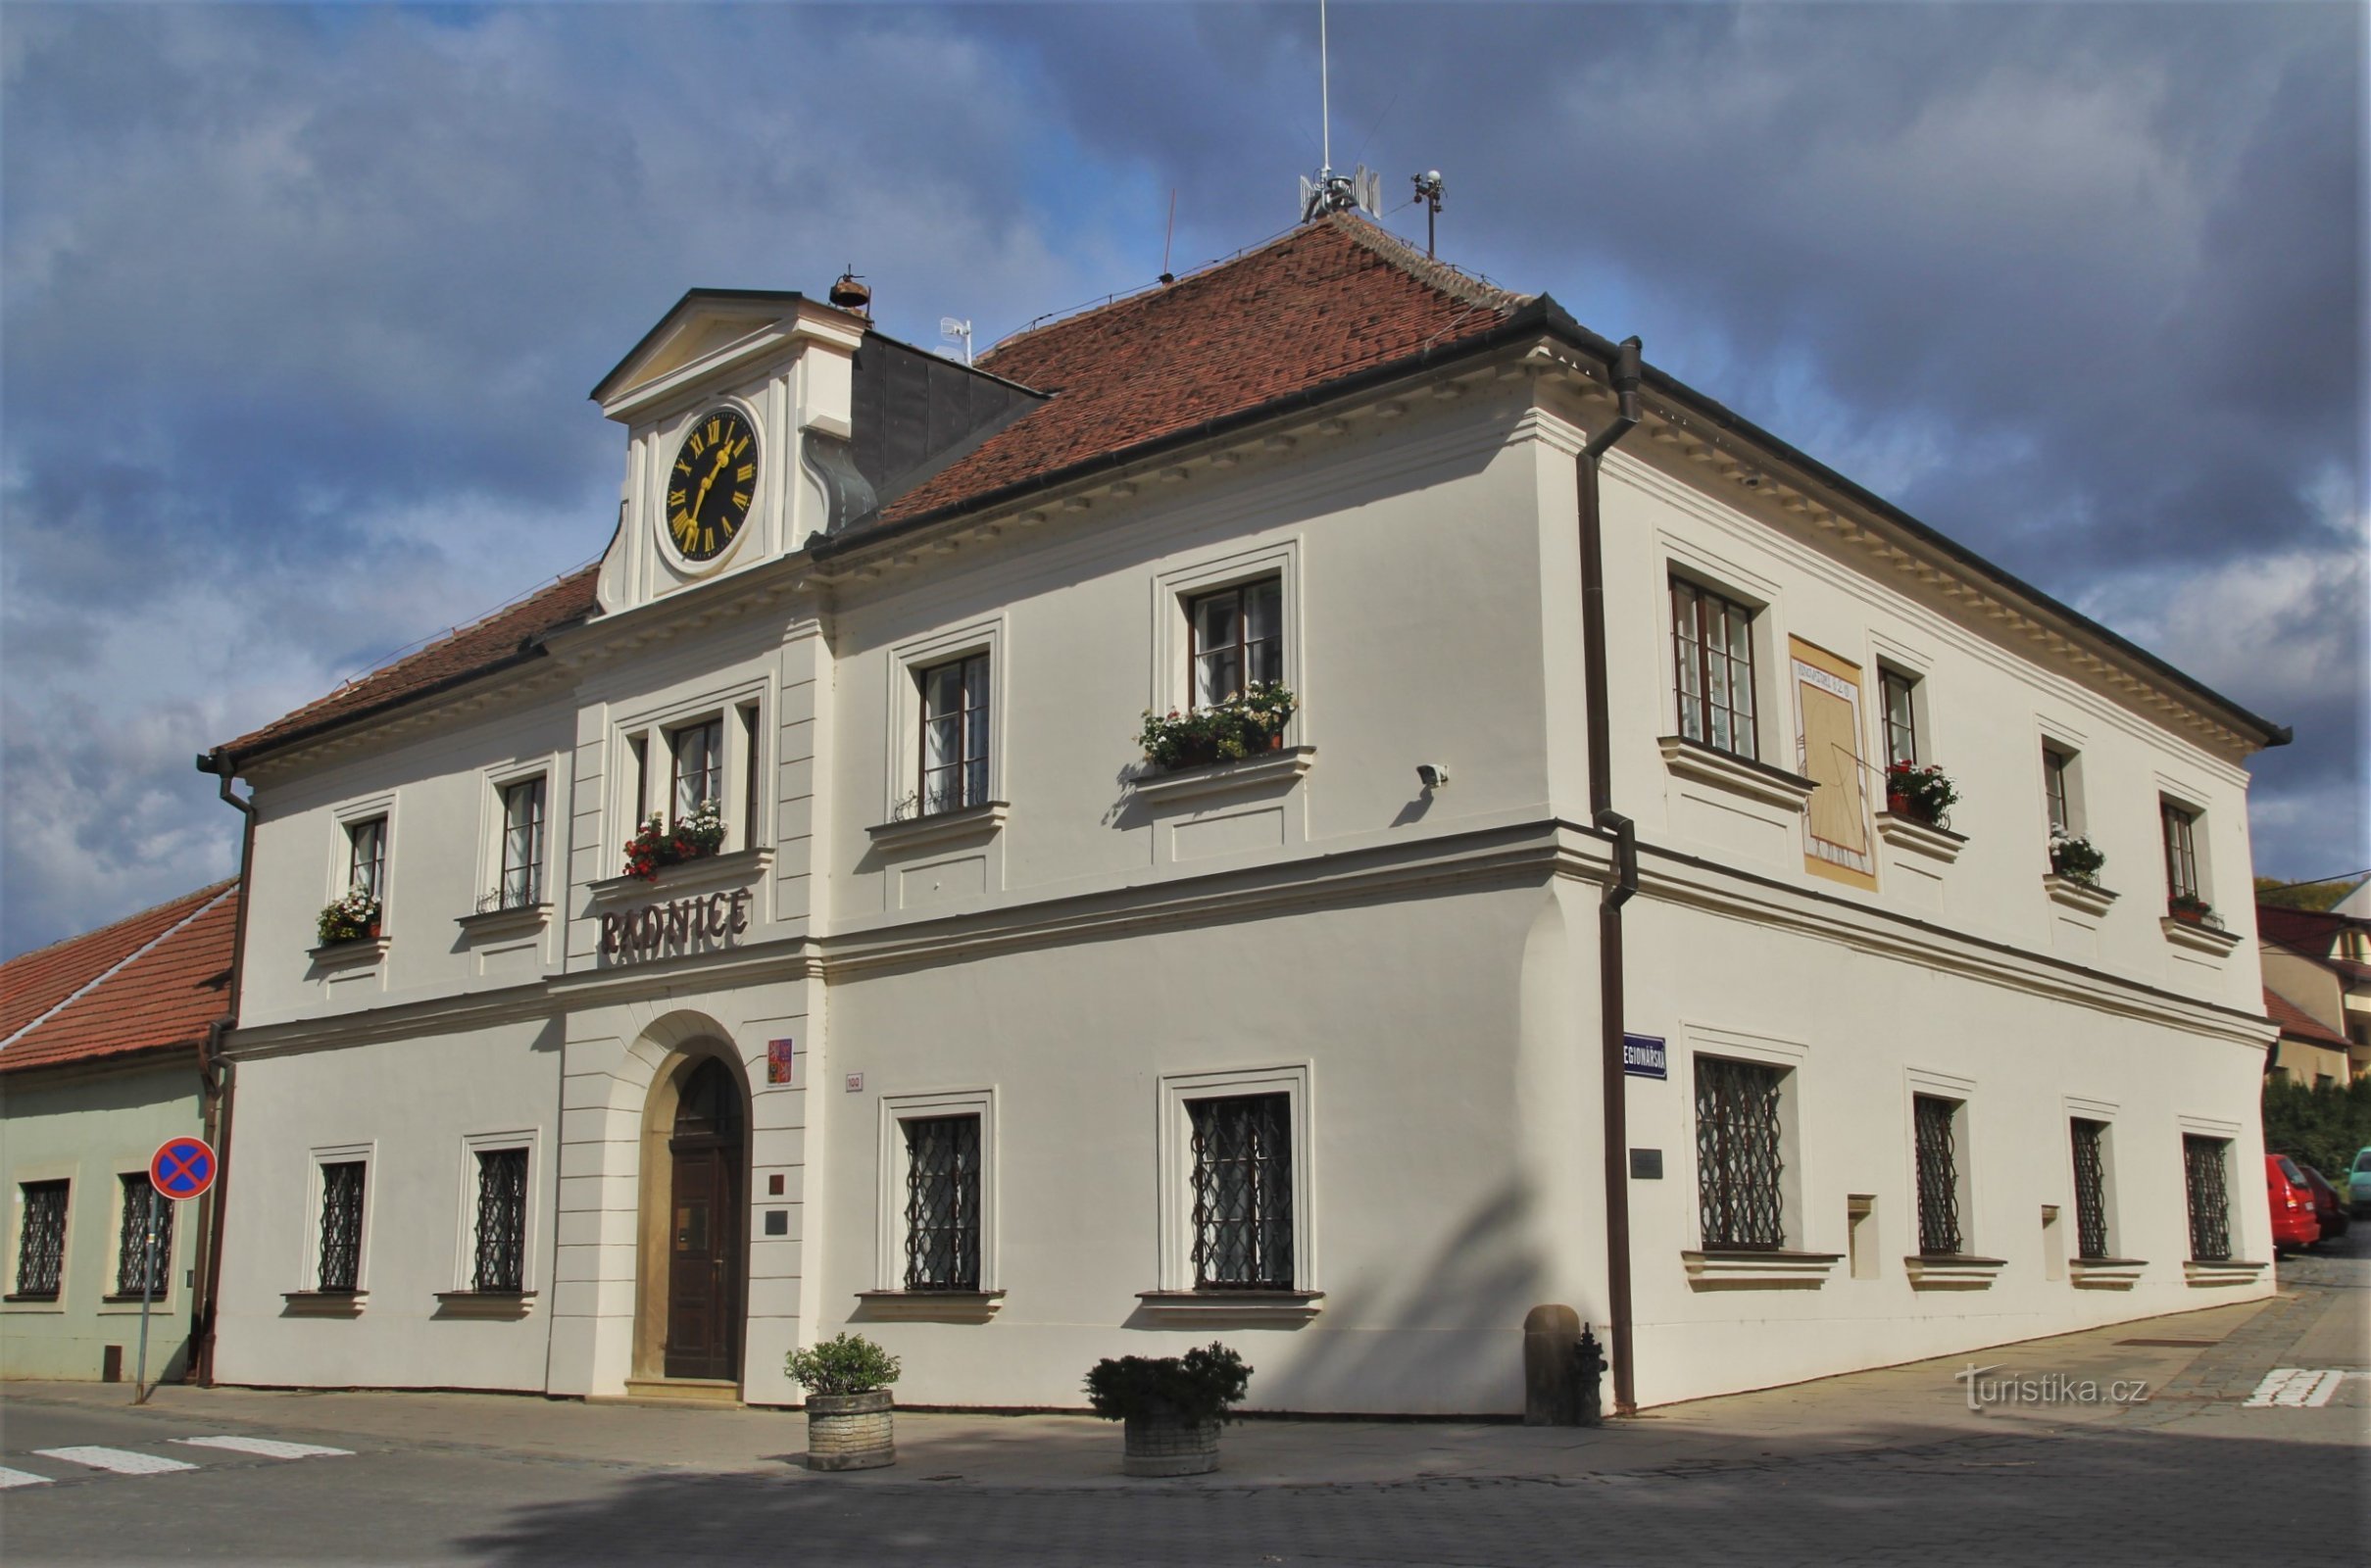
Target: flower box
(1920,794)
(655,845)
(352,918)
(1243,724)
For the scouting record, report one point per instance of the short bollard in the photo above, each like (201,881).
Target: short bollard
(1589,1368)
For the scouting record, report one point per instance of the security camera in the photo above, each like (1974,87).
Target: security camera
(1432,775)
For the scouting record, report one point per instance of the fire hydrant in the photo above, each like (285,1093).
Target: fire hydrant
(1589,1366)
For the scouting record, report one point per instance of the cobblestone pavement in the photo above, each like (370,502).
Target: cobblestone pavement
(1880,1467)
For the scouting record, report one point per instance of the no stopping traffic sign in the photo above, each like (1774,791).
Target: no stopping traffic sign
(181,1167)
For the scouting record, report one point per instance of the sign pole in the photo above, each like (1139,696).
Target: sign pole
(148,1281)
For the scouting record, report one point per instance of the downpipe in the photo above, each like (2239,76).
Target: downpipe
(218,1079)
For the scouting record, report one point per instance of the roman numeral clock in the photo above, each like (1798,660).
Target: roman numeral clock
(710,488)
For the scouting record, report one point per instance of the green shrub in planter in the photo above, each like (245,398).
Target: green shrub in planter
(848,1364)
(1197,1387)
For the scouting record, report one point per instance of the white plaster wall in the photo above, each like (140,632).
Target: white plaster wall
(88,1128)
(413,1101)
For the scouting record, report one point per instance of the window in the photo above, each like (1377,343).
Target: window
(40,1239)
(2091,1187)
(2205,1163)
(2057,770)
(1938,1139)
(141,1200)
(698,754)
(1243,1192)
(367,857)
(942,1203)
(339,1263)
(501,1261)
(1712,649)
(1238,639)
(1901,715)
(1737,1161)
(521,883)
(955,735)
(2181,851)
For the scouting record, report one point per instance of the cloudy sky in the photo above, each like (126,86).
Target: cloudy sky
(299,308)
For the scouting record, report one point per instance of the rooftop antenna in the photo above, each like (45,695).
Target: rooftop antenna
(1330,192)
(955,331)
(1428,191)
(1169,242)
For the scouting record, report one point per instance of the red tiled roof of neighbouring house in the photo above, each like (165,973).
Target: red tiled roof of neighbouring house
(152,982)
(1317,304)
(2297,1021)
(472,651)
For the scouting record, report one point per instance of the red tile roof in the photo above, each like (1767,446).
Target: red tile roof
(2296,1022)
(152,982)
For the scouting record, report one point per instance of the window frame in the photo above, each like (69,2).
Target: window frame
(1171,669)
(1905,741)
(469,1231)
(2178,824)
(121,1217)
(709,728)
(1700,709)
(541,774)
(645,743)
(1955,1120)
(973,698)
(317,1160)
(19,1209)
(1239,590)
(901,713)
(893,1156)
(2061,789)
(2223,1146)
(1788,1223)
(1175,1153)
(2103,1156)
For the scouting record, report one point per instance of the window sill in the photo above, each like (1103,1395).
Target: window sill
(1230,1306)
(2105,1273)
(515,920)
(928,1306)
(31,1303)
(741,868)
(1920,838)
(1753,1268)
(2088,897)
(162,1301)
(2196,937)
(360,953)
(485,1303)
(2196,1271)
(322,1303)
(1738,775)
(941,827)
(1250,775)
(1955,1271)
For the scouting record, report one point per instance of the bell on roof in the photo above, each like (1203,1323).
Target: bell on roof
(849,294)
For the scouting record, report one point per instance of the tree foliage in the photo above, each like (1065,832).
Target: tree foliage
(2322,1127)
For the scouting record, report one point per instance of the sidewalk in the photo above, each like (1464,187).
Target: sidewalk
(2213,1351)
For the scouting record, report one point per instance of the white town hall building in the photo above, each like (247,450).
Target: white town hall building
(979,1032)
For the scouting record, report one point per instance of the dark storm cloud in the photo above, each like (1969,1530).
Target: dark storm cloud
(300,307)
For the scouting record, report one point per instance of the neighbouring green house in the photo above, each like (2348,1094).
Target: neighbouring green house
(101,1043)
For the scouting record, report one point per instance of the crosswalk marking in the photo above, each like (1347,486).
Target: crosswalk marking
(2295,1388)
(19,1478)
(123,1462)
(269,1448)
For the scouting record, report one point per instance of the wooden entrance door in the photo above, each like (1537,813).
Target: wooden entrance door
(703,1229)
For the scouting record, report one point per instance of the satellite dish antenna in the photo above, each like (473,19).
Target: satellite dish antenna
(955,331)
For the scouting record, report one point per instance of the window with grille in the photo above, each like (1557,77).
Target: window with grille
(2205,1168)
(2057,766)
(1238,639)
(942,1203)
(698,754)
(954,734)
(521,883)
(1713,649)
(1737,1154)
(1901,715)
(1937,1136)
(340,1262)
(2091,1188)
(40,1239)
(367,856)
(502,1222)
(2181,851)
(131,1237)
(1243,1192)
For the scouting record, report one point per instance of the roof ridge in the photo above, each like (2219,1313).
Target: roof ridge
(220,890)
(1429,270)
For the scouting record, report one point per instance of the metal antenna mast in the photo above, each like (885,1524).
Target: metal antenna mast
(1330,192)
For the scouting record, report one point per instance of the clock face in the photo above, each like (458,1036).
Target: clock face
(710,488)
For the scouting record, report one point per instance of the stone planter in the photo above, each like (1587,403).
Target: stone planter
(849,1431)
(1162,1446)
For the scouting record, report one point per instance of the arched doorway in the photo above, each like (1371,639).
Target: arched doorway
(704,1256)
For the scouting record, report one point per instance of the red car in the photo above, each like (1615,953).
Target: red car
(2294,1224)
(2328,1204)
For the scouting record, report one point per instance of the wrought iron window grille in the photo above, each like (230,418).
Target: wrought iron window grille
(340,1267)
(140,1199)
(2090,1189)
(943,1204)
(1243,1192)
(1938,1174)
(1737,1161)
(42,1240)
(2203,1169)
(502,1222)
